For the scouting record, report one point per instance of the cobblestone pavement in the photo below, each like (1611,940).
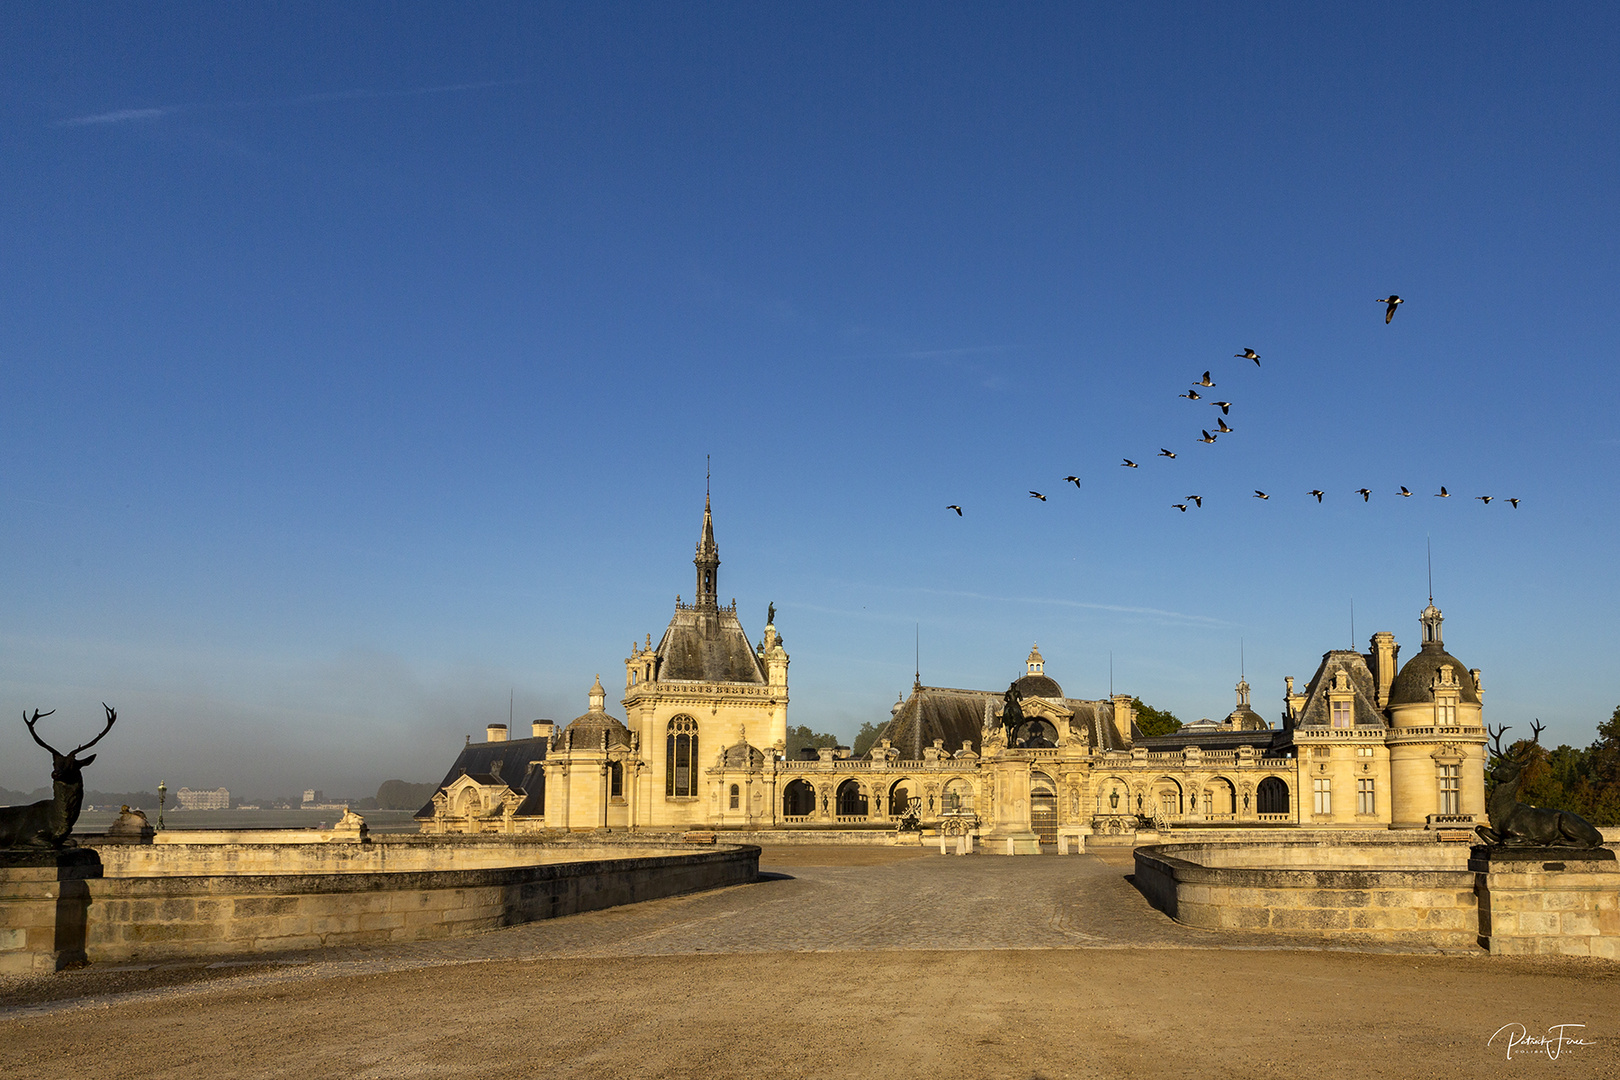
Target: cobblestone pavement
(807,901)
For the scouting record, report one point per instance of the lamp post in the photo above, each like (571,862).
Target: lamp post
(1113,799)
(163,793)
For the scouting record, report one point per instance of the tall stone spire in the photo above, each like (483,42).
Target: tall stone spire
(707,562)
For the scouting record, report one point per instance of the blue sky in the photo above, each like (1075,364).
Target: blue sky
(359,365)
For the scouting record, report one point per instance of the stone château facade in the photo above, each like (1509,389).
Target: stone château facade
(1367,744)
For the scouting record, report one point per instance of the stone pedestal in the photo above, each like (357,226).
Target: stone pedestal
(43,907)
(1558,901)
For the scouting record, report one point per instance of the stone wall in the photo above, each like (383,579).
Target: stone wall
(1404,894)
(134,918)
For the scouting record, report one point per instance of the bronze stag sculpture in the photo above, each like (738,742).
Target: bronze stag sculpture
(1517,824)
(46,824)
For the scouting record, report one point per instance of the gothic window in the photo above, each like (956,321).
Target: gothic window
(1364,797)
(1450,781)
(615,780)
(736,796)
(680,758)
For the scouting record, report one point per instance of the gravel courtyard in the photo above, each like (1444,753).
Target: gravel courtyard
(843,962)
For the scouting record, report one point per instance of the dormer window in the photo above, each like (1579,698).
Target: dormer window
(1342,715)
(1445,711)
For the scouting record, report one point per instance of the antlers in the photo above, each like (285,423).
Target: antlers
(112,715)
(35,734)
(1496,740)
(1536,730)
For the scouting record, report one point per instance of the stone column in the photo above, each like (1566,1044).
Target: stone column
(44,904)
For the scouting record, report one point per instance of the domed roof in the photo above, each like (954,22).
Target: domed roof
(1035,683)
(1413,685)
(1038,686)
(585,731)
(1247,719)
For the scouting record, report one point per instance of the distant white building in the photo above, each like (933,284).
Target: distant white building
(315,799)
(196,799)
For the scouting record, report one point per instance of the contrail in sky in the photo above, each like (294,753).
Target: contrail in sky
(124,116)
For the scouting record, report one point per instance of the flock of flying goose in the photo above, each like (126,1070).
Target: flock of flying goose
(1391,302)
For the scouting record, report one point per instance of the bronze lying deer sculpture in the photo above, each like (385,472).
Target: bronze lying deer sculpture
(1517,824)
(46,824)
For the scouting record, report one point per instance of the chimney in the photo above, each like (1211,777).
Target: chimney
(1384,654)
(495,733)
(542,729)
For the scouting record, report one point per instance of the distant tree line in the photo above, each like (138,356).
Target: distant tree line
(140,800)
(1586,781)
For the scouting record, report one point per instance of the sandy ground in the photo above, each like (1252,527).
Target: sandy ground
(1186,1012)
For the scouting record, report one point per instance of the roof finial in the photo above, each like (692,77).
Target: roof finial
(1428,545)
(708,470)
(916,630)
(1242,674)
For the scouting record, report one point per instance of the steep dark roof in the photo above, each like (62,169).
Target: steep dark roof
(1412,685)
(506,762)
(957,716)
(1364,707)
(708,644)
(932,712)
(1097,717)
(1210,740)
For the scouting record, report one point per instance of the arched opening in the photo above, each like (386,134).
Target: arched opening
(851,799)
(1167,796)
(1035,734)
(1220,797)
(470,804)
(615,780)
(798,799)
(958,797)
(680,760)
(736,796)
(902,793)
(1113,796)
(1272,796)
(1043,808)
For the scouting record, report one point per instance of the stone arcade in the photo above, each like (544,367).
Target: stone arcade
(1367,744)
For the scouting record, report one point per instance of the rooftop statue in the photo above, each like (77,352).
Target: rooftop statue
(1517,824)
(46,824)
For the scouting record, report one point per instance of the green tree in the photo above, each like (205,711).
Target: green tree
(402,795)
(800,737)
(865,738)
(1154,721)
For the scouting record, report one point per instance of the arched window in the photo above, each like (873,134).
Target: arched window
(1272,795)
(615,780)
(799,799)
(736,796)
(680,758)
(851,799)
(958,797)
